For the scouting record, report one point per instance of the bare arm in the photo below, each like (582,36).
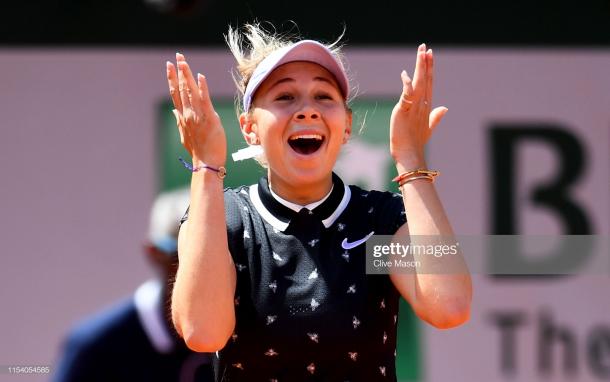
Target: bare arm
(202,298)
(443,297)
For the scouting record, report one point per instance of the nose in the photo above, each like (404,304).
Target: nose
(307,112)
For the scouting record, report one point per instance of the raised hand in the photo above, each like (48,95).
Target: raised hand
(413,118)
(201,131)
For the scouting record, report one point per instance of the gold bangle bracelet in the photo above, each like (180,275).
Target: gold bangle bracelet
(420,172)
(415,177)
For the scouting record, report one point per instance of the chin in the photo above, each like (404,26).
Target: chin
(299,167)
(309,175)
(301,173)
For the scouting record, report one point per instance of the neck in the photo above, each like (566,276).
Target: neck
(301,194)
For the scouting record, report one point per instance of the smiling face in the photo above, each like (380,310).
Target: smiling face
(301,120)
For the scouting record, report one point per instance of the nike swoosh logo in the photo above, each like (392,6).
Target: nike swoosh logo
(354,244)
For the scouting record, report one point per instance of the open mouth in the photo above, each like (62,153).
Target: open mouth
(306,144)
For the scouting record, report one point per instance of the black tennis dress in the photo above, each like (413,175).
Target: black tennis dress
(305,308)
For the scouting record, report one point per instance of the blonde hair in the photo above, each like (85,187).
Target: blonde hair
(252,44)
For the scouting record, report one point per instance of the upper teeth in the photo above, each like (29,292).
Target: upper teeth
(307,136)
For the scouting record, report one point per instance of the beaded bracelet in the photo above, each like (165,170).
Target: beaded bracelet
(220,171)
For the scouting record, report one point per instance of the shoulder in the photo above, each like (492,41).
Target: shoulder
(237,206)
(374,198)
(237,198)
(235,192)
(385,208)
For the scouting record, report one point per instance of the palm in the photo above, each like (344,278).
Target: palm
(201,131)
(413,119)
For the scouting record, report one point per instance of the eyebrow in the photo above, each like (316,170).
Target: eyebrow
(290,79)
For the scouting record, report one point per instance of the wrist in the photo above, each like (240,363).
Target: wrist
(410,163)
(212,162)
(201,167)
(206,181)
(208,176)
(409,159)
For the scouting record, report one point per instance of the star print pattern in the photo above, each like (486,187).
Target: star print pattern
(273,286)
(271,319)
(240,267)
(313,274)
(313,337)
(277,258)
(314,304)
(311,368)
(264,266)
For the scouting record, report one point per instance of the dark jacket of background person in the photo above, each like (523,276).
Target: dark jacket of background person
(134,340)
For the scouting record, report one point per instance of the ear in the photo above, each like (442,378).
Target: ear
(348,126)
(248,129)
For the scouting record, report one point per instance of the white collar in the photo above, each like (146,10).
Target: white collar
(280,225)
(149,305)
(297,207)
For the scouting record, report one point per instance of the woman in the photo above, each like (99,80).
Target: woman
(273,275)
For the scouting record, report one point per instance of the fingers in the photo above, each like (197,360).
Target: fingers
(182,84)
(436,115)
(429,75)
(172,81)
(204,94)
(406,98)
(419,76)
(189,92)
(179,123)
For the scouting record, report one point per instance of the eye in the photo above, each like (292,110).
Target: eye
(284,97)
(324,96)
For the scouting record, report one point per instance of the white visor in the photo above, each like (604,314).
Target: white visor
(306,50)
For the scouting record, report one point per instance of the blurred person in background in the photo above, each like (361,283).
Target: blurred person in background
(134,340)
